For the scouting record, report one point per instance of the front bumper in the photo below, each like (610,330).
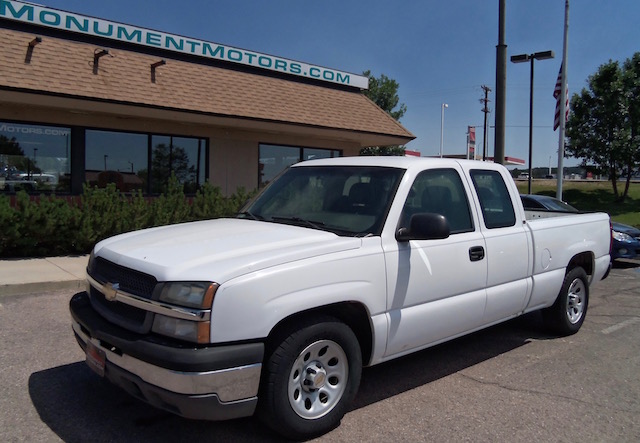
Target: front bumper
(210,383)
(630,250)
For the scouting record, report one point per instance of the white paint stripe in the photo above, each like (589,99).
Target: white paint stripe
(619,326)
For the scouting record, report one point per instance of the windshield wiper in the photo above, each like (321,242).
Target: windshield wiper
(250,215)
(300,221)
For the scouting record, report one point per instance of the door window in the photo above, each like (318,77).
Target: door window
(439,191)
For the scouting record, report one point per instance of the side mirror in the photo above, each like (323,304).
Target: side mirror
(427,226)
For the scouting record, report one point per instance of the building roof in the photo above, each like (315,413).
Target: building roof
(61,67)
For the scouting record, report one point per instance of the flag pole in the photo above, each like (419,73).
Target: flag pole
(563,101)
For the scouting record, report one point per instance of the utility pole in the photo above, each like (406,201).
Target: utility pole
(501,85)
(485,108)
(563,101)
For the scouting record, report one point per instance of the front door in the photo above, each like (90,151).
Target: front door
(436,288)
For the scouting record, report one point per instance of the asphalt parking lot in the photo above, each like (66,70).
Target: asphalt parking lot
(512,382)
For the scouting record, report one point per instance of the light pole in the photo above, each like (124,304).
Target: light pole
(444,105)
(520,58)
(35,160)
(105,161)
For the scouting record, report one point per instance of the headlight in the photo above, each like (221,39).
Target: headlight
(197,295)
(621,236)
(193,331)
(189,296)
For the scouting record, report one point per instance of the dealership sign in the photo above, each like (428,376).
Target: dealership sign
(67,21)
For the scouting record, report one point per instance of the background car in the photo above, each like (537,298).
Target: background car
(626,239)
(545,203)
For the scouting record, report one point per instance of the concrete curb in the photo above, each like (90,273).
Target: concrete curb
(37,275)
(39,287)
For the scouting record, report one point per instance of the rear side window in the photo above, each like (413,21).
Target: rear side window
(497,208)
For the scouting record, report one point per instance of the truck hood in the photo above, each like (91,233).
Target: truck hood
(218,250)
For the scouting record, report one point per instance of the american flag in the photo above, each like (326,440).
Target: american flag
(556,94)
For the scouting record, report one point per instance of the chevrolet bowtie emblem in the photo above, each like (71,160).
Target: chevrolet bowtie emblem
(111,291)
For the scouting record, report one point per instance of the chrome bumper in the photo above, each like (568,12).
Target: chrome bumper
(226,387)
(228,384)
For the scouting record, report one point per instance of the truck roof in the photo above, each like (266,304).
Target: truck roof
(398,162)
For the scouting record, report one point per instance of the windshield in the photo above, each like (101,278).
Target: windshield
(346,200)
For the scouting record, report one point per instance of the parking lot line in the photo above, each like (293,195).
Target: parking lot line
(619,326)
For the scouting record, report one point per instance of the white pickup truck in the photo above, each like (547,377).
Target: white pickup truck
(337,264)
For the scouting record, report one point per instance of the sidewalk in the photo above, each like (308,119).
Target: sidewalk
(30,275)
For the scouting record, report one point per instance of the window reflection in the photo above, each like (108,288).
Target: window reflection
(144,161)
(312,153)
(116,157)
(274,159)
(183,157)
(34,158)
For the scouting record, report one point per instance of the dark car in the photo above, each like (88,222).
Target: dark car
(626,239)
(545,203)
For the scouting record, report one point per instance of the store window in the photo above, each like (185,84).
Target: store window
(181,156)
(117,157)
(34,158)
(274,159)
(144,161)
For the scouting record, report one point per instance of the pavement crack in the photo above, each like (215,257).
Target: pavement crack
(548,394)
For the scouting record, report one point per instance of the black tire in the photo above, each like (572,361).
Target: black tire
(310,376)
(566,315)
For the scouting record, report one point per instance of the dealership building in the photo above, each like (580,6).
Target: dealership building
(89,100)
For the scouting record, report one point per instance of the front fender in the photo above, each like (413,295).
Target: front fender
(248,307)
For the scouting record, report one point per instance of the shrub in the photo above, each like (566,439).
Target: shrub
(53,225)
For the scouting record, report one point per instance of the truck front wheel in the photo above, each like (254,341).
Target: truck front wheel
(568,312)
(311,375)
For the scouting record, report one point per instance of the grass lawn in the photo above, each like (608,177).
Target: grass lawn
(592,196)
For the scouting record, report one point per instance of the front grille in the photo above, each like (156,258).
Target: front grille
(126,312)
(134,282)
(129,280)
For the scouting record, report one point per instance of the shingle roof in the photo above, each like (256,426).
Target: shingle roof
(65,67)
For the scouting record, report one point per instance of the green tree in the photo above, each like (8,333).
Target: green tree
(174,160)
(631,81)
(9,146)
(12,158)
(603,128)
(383,91)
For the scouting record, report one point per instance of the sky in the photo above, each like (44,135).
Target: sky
(438,51)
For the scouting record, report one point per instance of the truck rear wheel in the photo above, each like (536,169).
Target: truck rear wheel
(310,378)
(568,312)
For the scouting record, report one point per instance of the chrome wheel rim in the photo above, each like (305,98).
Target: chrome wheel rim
(576,301)
(318,379)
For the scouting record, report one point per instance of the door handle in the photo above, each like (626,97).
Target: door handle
(476,253)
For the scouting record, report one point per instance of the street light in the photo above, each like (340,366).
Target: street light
(444,105)
(521,58)
(35,160)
